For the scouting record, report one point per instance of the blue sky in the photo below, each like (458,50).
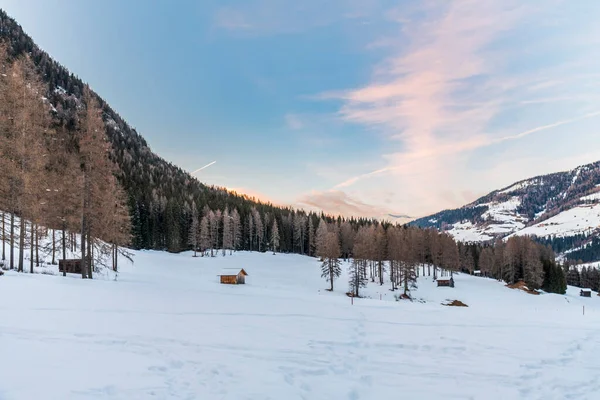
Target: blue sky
(360,107)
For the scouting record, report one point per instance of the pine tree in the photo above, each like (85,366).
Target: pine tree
(360,250)
(194,234)
(299,232)
(357,277)
(275,237)
(227,231)
(312,246)
(380,242)
(321,239)
(486,261)
(236,226)
(330,251)
(346,239)
(205,239)
(533,272)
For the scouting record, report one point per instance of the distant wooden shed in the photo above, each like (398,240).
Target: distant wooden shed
(585,292)
(73,266)
(233,276)
(446,281)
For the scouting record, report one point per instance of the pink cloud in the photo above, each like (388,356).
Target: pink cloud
(437,93)
(335,202)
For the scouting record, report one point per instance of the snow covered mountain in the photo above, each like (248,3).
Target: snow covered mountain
(561,209)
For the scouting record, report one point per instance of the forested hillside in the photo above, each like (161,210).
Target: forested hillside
(161,196)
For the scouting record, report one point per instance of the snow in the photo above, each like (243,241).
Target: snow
(591,197)
(166,329)
(230,271)
(60,90)
(580,219)
(502,218)
(468,232)
(517,186)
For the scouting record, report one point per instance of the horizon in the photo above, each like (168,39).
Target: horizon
(370,116)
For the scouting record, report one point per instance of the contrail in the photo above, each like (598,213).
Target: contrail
(206,166)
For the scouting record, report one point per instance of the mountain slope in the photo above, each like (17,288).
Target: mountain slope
(161,195)
(562,209)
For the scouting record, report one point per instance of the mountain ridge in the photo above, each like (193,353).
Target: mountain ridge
(544,206)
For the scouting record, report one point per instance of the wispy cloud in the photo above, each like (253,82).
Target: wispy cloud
(459,86)
(462,77)
(336,202)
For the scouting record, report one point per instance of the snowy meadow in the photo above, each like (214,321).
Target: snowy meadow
(166,329)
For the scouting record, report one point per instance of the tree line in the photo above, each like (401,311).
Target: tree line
(58,178)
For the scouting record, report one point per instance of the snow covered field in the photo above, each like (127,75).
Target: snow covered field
(166,329)
(577,220)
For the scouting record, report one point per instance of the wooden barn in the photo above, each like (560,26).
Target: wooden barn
(585,292)
(72,266)
(446,281)
(233,276)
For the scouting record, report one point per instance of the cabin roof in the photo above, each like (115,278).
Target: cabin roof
(232,272)
(444,278)
(586,289)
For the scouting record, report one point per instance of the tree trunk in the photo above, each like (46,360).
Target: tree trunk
(3,238)
(90,256)
(83,250)
(380,273)
(32,243)
(37,245)
(392,274)
(21,243)
(12,241)
(53,247)
(64,247)
(330,275)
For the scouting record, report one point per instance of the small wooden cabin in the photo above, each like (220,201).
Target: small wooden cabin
(477,272)
(445,281)
(233,276)
(72,266)
(585,293)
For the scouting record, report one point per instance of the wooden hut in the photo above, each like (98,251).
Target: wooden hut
(233,276)
(72,266)
(446,281)
(585,292)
